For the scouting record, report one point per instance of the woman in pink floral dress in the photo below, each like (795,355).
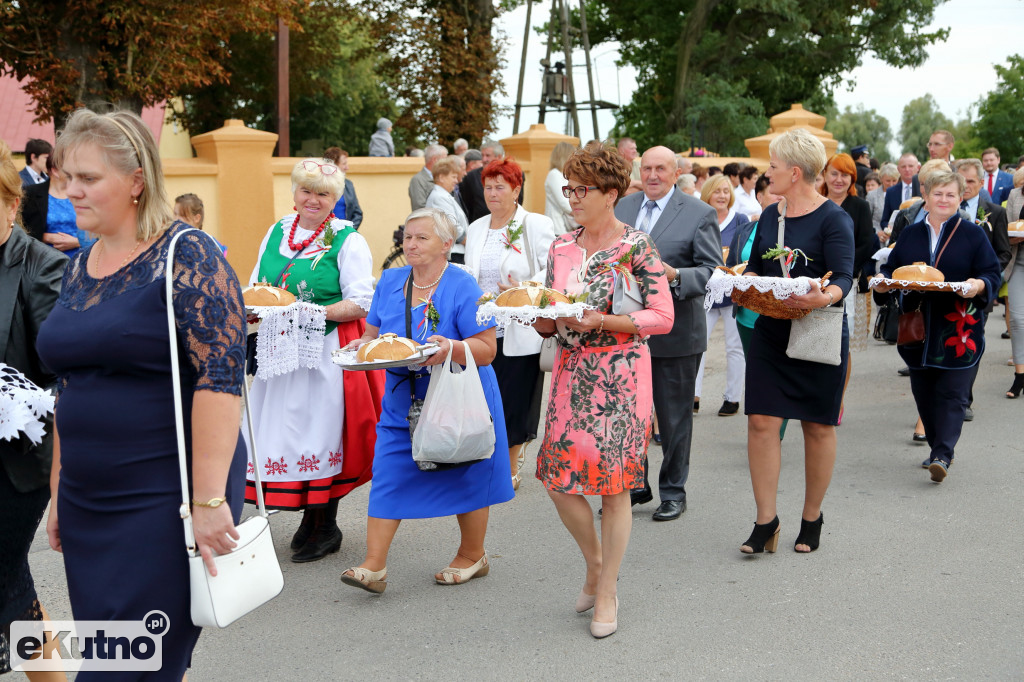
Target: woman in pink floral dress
(599,409)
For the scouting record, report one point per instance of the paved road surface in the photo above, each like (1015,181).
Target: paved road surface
(913,580)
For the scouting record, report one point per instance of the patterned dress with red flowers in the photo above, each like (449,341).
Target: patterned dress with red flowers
(600,404)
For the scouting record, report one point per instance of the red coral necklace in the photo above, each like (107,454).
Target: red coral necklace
(308,240)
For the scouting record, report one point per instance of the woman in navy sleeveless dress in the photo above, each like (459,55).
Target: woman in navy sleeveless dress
(116,515)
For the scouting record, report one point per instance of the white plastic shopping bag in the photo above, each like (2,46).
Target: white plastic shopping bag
(455,426)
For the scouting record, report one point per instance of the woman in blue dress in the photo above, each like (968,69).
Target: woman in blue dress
(443,310)
(115,481)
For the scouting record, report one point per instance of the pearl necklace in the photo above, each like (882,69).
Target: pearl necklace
(432,284)
(308,240)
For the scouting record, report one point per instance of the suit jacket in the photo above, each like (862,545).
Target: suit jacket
(1001,186)
(353,211)
(420,187)
(471,190)
(30,279)
(687,237)
(35,208)
(27,180)
(894,197)
(996,231)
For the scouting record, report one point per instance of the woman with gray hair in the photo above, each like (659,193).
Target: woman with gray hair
(115,481)
(818,236)
(322,260)
(431,302)
(953,324)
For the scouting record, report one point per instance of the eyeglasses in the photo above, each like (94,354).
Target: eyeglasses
(325,168)
(580,191)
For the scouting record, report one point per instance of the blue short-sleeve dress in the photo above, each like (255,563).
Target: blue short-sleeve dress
(399,489)
(120,489)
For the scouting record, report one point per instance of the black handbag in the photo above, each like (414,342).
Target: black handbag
(887,321)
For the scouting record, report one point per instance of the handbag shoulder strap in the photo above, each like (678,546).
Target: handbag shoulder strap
(943,249)
(179,419)
(782,235)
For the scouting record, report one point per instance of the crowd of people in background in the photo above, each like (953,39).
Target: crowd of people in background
(629,365)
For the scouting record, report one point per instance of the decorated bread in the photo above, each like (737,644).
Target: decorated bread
(530,293)
(918,272)
(1016,226)
(264,294)
(909,202)
(738,269)
(386,347)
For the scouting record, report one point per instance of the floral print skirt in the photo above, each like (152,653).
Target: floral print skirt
(598,420)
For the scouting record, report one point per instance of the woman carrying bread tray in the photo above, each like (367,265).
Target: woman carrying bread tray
(430,301)
(942,363)
(315,428)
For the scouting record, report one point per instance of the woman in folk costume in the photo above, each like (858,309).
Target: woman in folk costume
(316,428)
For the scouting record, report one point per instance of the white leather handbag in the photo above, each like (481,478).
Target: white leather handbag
(250,575)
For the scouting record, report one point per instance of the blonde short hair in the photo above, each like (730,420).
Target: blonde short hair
(127,145)
(943,177)
(1018,177)
(932,166)
(561,153)
(444,226)
(316,181)
(714,183)
(445,166)
(889,170)
(800,149)
(10,181)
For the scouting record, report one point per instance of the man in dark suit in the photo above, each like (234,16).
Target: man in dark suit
(471,187)
(685,230)
(982,210)
(997,183)
(36,154)
(907,187)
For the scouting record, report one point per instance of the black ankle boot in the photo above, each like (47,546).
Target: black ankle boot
(304,530)
(810,533)
(1018,385)
(325,537)
(764,537)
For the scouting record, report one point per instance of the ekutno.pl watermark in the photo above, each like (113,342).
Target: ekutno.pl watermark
(100,645)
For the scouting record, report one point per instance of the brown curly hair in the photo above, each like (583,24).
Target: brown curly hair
(596,166)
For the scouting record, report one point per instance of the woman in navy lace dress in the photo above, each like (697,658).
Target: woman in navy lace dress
(115,482)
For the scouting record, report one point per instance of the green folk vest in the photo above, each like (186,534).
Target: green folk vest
(315,280)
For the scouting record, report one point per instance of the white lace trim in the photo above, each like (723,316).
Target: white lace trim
(22,406)
(361,301)
(721,285)
(527,315)
(955,287)
(289,337)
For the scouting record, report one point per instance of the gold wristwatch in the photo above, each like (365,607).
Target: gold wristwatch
(214,503)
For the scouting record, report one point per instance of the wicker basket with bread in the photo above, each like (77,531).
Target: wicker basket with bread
(764,302)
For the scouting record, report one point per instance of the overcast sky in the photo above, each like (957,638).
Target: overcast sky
(957,73)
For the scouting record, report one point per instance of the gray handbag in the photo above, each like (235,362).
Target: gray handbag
(818,336)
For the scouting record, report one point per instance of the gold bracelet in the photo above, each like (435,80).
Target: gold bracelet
(601,328)
(214,503)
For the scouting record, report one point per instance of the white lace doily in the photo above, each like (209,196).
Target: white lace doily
(22,406)
(289,337)
(722,284)
(527,315)
(953,287)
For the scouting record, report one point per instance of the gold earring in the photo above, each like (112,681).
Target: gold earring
(135,201)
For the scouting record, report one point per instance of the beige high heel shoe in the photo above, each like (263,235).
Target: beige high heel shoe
(371,581)
(477,570)
(585,602)
(601,630)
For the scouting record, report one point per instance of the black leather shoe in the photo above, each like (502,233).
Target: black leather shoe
(322,542)
(968,415)
(656,438)
(728,409)
(1004,335)
(903,372)
(669,510)
(920,438)
(640,496)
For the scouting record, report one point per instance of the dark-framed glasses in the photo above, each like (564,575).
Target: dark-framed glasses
(580,191)
(325,168)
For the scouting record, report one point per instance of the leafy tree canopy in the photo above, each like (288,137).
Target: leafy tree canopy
(921,118)
(122,52)
(999,123)
(858,126)
(768,52)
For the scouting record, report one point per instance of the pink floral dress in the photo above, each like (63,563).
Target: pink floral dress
(599,409)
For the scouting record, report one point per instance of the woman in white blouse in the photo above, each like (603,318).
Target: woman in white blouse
(316,428)
(556,206)
(503,249)
(446,176)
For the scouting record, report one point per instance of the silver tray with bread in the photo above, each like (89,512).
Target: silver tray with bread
(384,352)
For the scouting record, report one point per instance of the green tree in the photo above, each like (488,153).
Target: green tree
(122,52)
(999,123)
(968,145)
(336,93)
(921,118)
(858,126)
(774,52)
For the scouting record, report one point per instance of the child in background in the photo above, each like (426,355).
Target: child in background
(188,208)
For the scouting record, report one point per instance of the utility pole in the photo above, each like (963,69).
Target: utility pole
(283,112)
(522,68)
(567,48)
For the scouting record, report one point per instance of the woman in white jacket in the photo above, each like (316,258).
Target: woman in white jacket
(556,206)
(446,176)
(503,249)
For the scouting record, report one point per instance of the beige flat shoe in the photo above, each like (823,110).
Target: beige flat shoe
(601,630)
(458,576)
(371,581)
